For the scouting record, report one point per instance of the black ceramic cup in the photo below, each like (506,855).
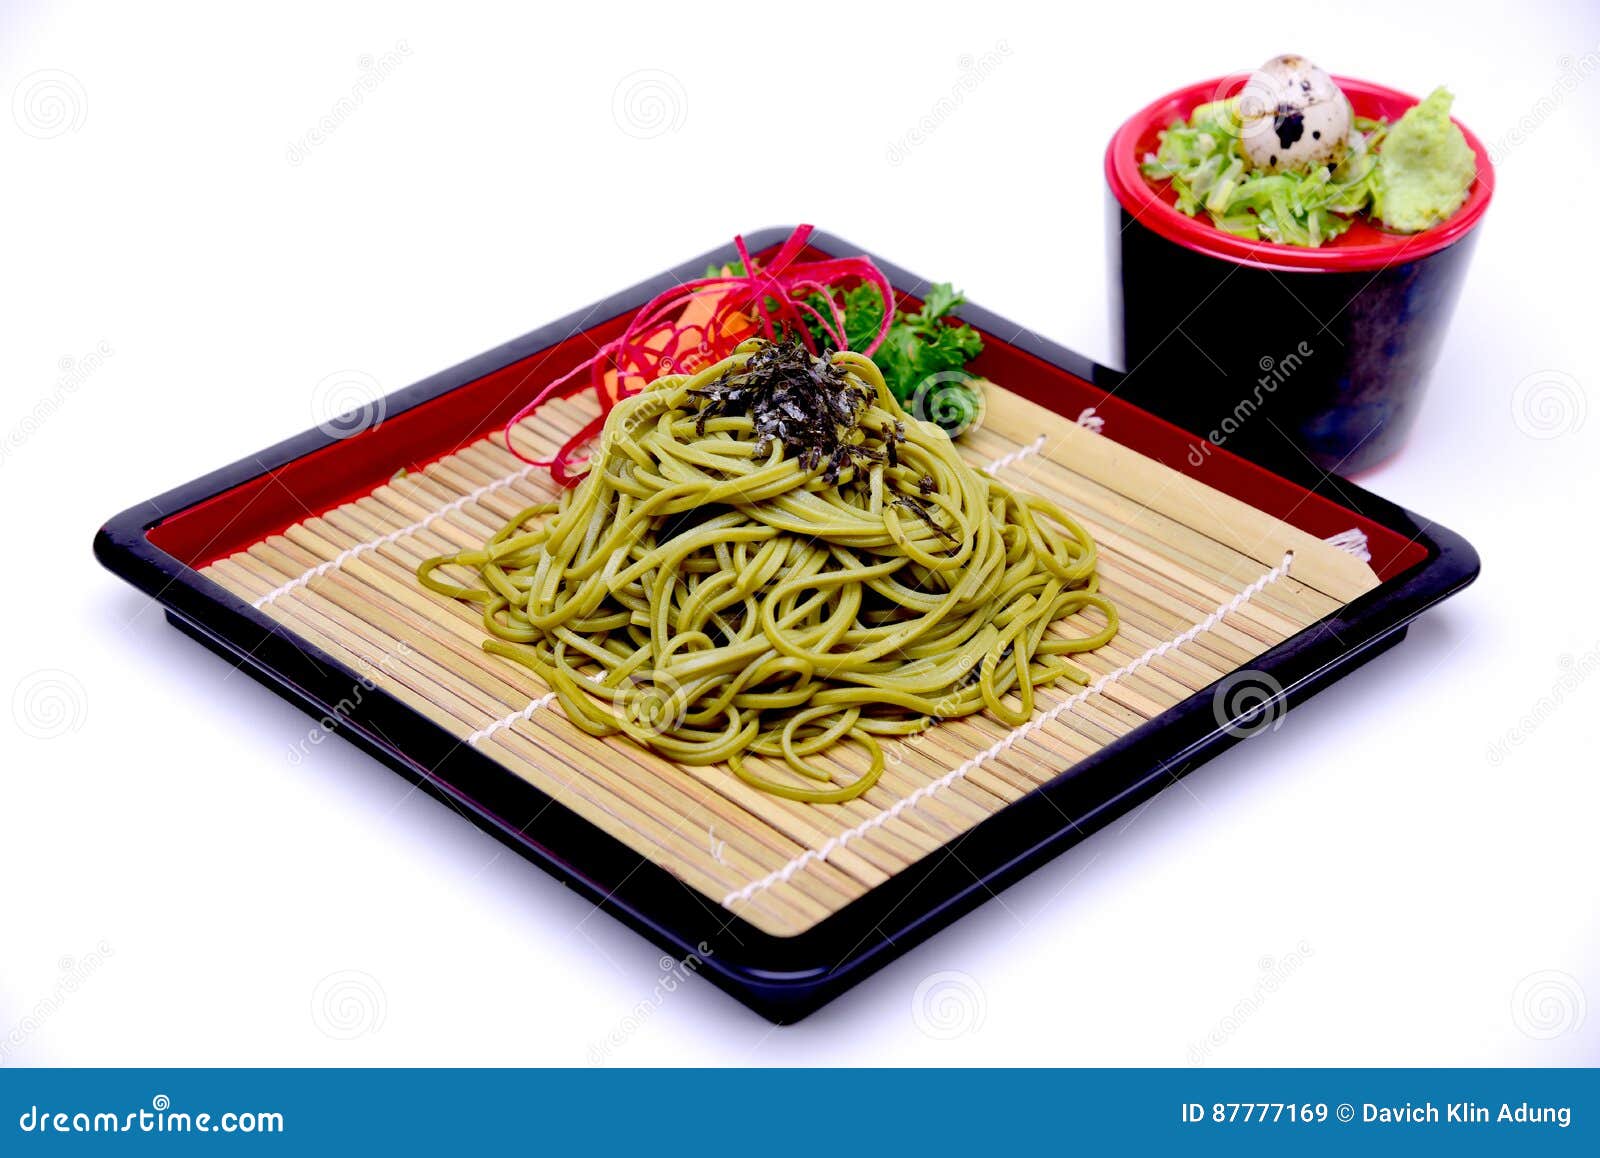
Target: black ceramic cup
(1282,353)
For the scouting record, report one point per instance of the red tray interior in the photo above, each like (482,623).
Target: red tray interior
(350,468)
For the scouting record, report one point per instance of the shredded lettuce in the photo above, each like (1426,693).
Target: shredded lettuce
(1207,165)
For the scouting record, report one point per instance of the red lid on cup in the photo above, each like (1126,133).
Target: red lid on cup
(1364,246)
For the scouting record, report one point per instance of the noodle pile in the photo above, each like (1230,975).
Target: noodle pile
(770,557)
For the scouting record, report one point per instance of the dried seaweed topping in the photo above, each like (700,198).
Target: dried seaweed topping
(806,403)
(919,508)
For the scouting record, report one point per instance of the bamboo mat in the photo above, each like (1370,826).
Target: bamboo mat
(1204,583)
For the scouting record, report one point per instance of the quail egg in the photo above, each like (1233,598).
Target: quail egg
(1292,116)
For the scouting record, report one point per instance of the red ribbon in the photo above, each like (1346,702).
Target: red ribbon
(661,338)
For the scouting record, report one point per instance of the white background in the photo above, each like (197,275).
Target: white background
(1439,908)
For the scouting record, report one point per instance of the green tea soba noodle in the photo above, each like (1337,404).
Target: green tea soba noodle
(771,558)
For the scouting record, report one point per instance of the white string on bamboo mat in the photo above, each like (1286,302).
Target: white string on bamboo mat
(1353,542)
(345,556)
(526,713)
(1015,456)
(822,852)
(1088,419)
